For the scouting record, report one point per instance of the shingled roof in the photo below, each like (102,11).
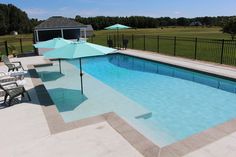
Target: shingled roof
(58,22)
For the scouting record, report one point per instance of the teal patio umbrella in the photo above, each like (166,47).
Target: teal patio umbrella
(79,50)
(117,27)
(53,44)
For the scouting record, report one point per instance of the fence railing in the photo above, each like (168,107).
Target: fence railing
(213,50)
(20,46)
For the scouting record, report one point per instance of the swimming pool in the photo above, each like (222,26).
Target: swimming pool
(182,102)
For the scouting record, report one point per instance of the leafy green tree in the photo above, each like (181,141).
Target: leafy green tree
(3,27)
(183,21)
(13,50)
(230,28)
(13,19)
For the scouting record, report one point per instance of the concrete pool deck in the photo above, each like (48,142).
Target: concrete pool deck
(26,131)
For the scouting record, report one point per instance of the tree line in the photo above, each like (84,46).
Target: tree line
(14,19)
(100,22)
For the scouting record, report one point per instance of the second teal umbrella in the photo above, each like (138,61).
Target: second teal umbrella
(117,27)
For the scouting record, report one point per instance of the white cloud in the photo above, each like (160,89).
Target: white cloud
(35,11)
(177,12)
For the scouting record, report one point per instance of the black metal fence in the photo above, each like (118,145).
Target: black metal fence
(214,50)
(17,46)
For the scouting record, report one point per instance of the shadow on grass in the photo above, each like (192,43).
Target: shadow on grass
(50,76)
(66,99)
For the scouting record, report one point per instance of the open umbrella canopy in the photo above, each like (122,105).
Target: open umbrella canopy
(53,43)
(78,50)
(117,26)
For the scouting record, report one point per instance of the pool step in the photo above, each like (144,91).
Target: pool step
(144,116)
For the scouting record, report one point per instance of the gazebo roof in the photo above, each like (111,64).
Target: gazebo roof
(89,27)
(59,22)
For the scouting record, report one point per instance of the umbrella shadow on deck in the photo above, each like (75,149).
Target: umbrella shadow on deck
(49,75)
(66,99)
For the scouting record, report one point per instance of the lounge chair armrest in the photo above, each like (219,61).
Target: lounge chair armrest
(17,62)
(7,79)
(9,83)
(11,64)
(12,88)
(3,74)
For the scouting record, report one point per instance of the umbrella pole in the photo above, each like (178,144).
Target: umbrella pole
(117,36)
(60,65)
(81,76)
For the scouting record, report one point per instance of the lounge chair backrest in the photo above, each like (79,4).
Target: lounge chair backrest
(5,59)
(7,62)
(1,87)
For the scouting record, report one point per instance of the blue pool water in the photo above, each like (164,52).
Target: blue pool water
(182,102)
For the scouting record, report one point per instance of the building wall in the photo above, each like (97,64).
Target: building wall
(48,34)
(71,33)
(88,33)
(44,35)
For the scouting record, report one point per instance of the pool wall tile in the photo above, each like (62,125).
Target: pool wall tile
(184,75)
(138,64)
(164,70)
(151,67)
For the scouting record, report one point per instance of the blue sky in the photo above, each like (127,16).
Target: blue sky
(42,9)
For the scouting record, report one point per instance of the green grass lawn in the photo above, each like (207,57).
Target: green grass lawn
(200,32)
(14,40)
(209,50)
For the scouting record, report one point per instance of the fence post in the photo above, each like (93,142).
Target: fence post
(21,47)
(195,50)
(174,45)
(114,37)
(92,39)
(132,41)
(158,43)
(222,51)
(6,48)
(144,42)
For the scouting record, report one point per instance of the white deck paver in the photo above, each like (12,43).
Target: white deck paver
(225,147)
(29,60)
(91,141)
(21,125)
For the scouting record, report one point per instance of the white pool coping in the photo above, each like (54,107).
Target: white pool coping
(207,67)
